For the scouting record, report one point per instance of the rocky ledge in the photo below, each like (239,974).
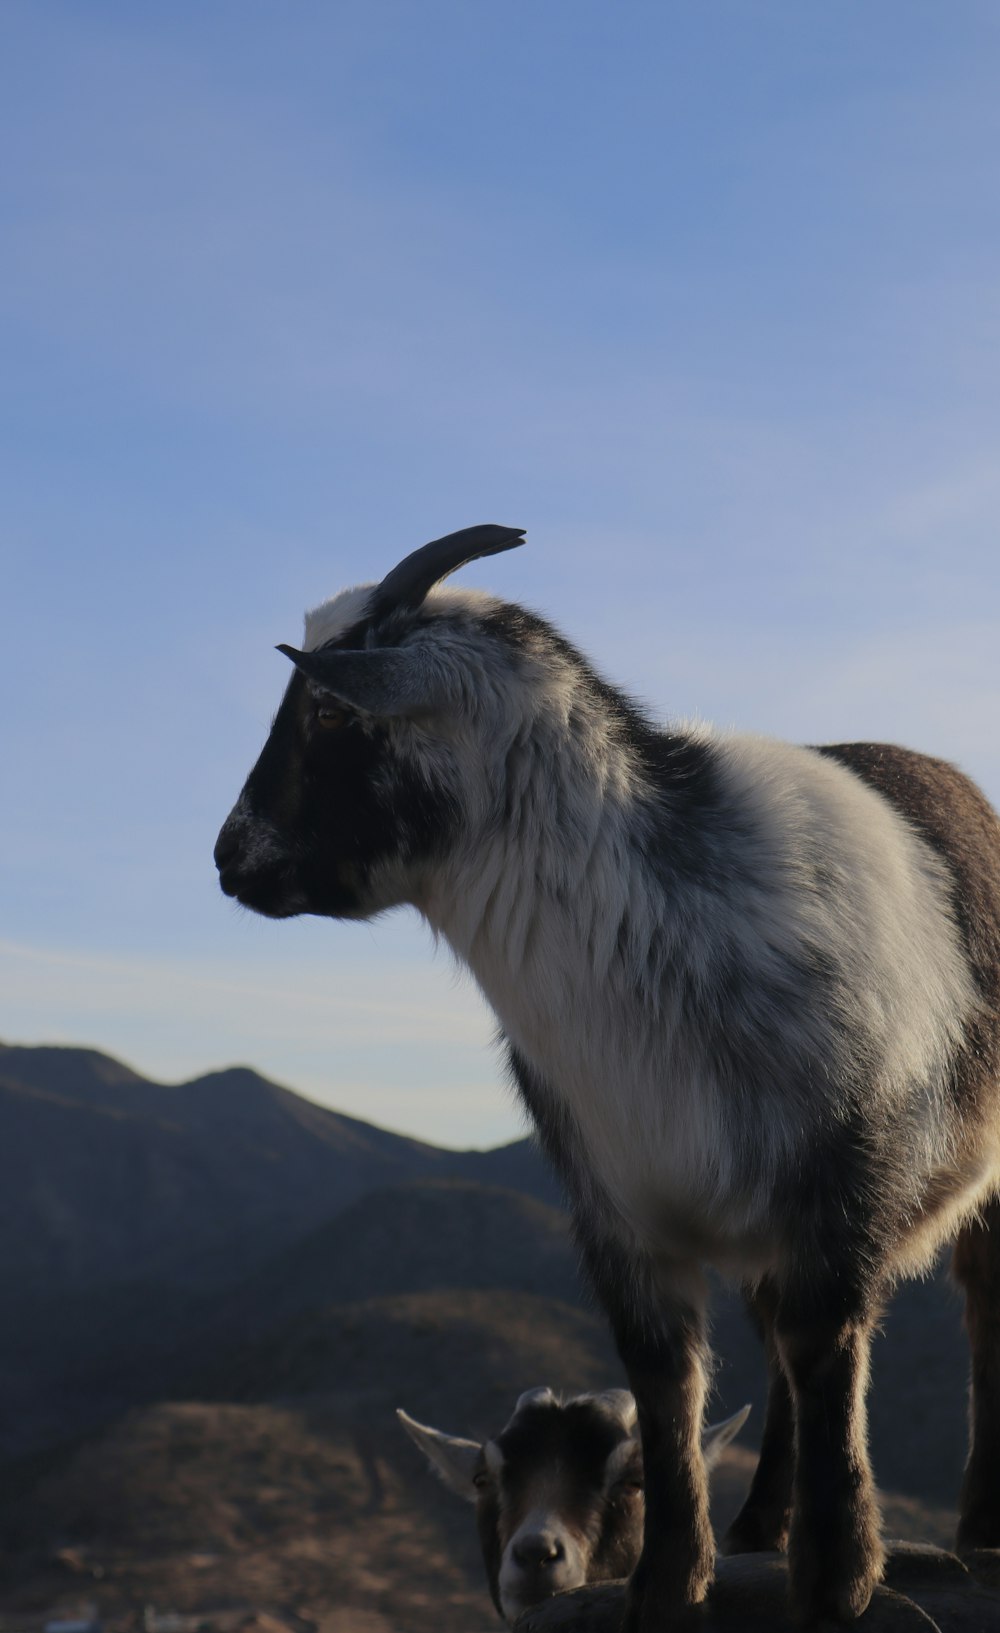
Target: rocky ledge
(924,1589)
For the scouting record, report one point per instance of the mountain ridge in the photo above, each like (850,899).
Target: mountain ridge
(105,1175)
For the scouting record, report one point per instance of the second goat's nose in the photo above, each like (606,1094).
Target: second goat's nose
(540,1549)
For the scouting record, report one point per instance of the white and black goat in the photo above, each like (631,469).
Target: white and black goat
(751,999)
(558,1492)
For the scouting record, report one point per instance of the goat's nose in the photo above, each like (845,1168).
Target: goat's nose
(540,1549)
(226,846)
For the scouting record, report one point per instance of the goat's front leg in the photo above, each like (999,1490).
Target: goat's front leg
(835,1549)
(762,1523)
(659,1329)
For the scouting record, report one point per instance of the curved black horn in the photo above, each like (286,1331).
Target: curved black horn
(407,584)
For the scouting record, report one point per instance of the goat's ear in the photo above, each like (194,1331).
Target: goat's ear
(454,1460)
(387,681)
(716,1438)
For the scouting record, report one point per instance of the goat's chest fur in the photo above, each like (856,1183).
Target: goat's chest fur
(701,1010)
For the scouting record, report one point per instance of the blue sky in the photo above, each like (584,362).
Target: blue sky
(705,294)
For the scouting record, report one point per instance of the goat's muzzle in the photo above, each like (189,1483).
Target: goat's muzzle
(254,870)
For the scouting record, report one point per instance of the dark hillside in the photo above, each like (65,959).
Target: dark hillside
(105,1175)
(128,1208)
(464,1354)
(425,1236)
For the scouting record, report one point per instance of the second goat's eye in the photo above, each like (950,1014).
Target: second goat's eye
(330,718)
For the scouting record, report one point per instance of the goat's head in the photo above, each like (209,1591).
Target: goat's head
(360,781)
(558,1493)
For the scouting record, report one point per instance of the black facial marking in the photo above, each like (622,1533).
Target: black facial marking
(328,805)
(575,1438)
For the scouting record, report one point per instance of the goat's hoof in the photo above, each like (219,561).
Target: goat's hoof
(834,1576)
(826,1601)
(650,1611)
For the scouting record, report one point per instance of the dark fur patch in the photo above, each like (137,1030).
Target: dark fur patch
(556,1129)
(681,770)
(957,821)
(577,1439)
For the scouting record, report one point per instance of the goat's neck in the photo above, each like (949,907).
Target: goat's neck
(554,904)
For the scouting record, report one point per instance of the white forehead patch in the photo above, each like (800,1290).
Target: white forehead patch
(336,616)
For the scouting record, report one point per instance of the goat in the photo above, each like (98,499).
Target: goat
(558,1492)
(750,996)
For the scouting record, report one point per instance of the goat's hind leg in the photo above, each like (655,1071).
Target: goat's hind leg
(835,1549)
(762,1523)
(976,1265)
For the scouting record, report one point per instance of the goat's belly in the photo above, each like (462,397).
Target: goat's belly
(676,1231)
(673,1178)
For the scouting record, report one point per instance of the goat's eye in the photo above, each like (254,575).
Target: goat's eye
(481,1480)
(630,1488)
(329,718)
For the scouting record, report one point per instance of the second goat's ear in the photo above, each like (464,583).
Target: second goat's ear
(716,1438)
(455,1460)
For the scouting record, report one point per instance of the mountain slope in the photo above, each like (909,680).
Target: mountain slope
(130,1212)
(424,1236)
(106,1176)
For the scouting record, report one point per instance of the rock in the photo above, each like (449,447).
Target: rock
(582,1610)
(916,1564)
(984,1565)
(926,1590)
